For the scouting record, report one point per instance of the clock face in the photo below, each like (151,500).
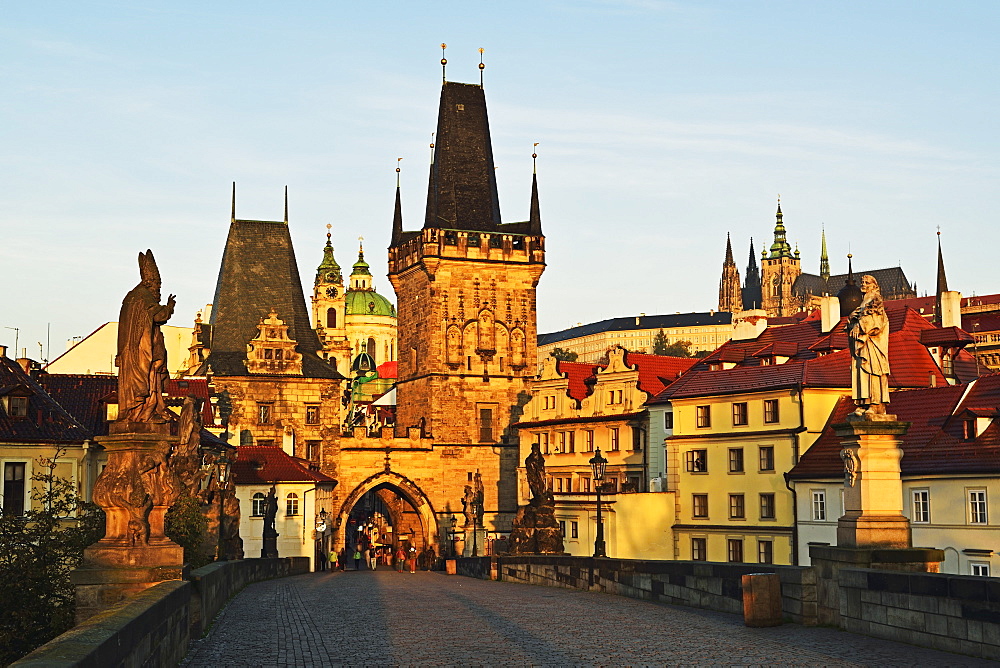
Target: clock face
(331,292)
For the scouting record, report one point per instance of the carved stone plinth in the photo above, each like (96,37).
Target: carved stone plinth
(536,530)
(873,490)
(135,490)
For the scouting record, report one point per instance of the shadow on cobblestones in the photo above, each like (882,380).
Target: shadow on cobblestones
(385,618)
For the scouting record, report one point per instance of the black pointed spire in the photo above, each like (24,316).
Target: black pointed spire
(535,218)
(286,205)
(942,279)
(397,215)
(233,217)
(752,297)
(850,296)
(729,252)
(462,191)
(824,260)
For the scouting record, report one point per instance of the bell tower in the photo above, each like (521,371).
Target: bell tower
(328,308)
(778,273)
(465,285)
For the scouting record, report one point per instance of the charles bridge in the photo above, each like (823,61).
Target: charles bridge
(538,610)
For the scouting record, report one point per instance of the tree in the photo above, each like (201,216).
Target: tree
(660,343)
(38,550)
(678,349)
(185,524)
(564,355)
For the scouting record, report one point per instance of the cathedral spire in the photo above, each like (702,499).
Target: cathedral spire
(780,247)
(942,280)
(824,259)
(462,191)
(535,218)
(751,288)
(730,297)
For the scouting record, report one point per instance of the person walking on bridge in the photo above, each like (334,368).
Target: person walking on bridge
(357,558)
(412,558)
(400,559)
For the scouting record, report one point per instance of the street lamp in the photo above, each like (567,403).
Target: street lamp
(598,464)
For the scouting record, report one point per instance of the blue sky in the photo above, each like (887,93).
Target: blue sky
(661,127)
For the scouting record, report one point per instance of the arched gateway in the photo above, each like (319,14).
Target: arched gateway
(390,509)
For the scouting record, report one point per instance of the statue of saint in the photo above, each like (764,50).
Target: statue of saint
(469,505)
(142,357)
(534,466)
(270,512)
(480,496)
(868,335)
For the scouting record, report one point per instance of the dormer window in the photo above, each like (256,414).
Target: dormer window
(17,407)
(969,429)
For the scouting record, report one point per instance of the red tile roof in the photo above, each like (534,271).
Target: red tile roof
(928,303)
(981,322)
(577,374)
(268,464)
(658,371)
(46,421)
(911,363)
(934,442)
(945,336)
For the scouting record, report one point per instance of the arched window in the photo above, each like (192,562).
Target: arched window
(331,318)
(371,347)
(292,504)
(259,502)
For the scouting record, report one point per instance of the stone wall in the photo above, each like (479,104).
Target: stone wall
(954,613)
(155,627)
(700,584)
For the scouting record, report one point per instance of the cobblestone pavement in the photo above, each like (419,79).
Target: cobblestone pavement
(386,618)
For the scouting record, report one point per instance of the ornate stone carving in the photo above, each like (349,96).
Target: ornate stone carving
(868,335)
(851,466)
(142,356)
(272,351)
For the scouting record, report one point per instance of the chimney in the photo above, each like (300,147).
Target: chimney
(748,325)
(25,364)
(3,350)
(951,309)
(829,311)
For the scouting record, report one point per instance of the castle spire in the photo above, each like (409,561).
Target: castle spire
(824,260)
(730,297)
(752,298)
(397,214)
(535,218)
(780,247)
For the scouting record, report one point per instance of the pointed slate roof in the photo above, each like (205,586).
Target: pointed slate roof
(462,193)
(892,282)
(259,274)
(752,297)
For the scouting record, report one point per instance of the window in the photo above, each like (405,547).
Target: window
(765,552)
(588,439)
(637,435)
(312,414)
(767,506)
(292,504)
(819,505)
(770,411)
(980,568)
(615,396)
(766,458)
(259,504)
(331,318)
(699,549)
(668,420)
(614,439)
(17,407)
(585,485)
(574,529)
(696,461)
(699,505)
(736,460)
(558,484)
(550,402)
(13,488)
(543,442)
(740,414)
(977,506)
(921,506)
(312,449)
(735,549)
(263,413)
(486,425)
(562,527)
(704,416)
(969,430)
(737,508)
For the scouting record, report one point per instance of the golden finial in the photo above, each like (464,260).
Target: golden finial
(432,148)
(398,160)
(482,66)
(534,160)
(328,226)
(444,61)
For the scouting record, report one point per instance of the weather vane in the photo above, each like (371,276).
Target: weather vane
(534,159)
(444,61)
(398,160)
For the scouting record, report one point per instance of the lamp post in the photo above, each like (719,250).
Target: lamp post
(598,465)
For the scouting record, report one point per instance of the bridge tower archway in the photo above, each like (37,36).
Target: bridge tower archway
(384,500)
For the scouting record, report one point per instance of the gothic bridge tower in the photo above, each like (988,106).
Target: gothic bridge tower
(465,285)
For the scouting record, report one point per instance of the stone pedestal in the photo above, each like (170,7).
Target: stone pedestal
(135,490)
(474,538)
(873,491)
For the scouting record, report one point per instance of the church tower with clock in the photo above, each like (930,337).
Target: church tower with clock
(328,309)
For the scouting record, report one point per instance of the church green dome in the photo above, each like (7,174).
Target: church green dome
(368,302)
